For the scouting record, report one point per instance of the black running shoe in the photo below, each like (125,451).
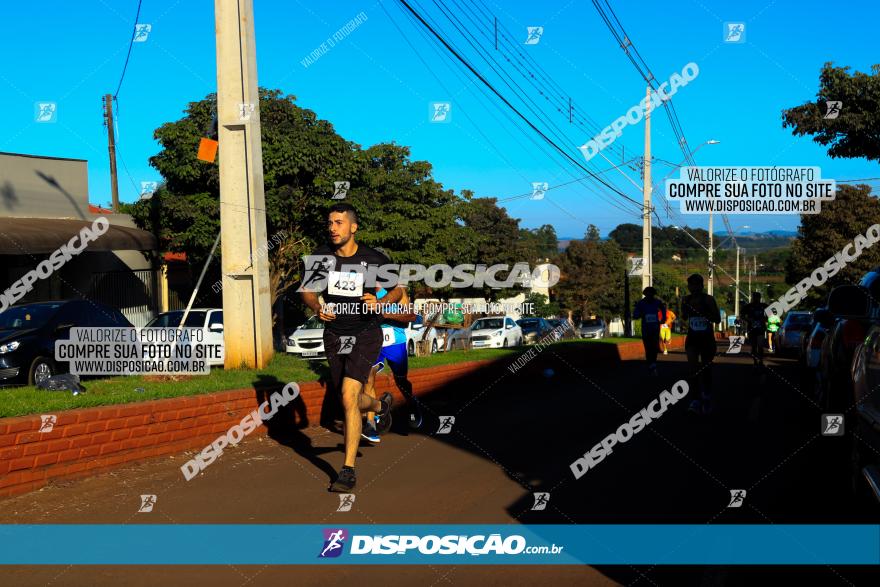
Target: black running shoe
(386,400)
(415,418)
(345,481)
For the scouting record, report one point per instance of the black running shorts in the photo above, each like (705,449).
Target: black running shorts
(352,355)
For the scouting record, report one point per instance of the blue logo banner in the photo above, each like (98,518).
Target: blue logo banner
(454,544)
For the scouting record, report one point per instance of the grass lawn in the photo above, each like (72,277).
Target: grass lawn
(21,401)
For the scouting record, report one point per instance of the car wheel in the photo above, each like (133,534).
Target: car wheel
(504,344)
(41,369)
(861,492)
(411,349)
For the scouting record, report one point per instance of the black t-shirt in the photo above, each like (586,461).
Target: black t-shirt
(754,313)
(700,311)
(344,286)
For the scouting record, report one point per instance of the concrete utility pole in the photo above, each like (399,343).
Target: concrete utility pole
(648,264)
(749,271)
(247,312)
(711,255)
(111,146)
(736,292)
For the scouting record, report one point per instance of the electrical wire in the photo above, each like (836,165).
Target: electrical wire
(130,45)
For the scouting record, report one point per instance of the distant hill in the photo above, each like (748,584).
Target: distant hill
(747,239)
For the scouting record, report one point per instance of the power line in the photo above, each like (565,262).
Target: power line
(489,85)
(130,45)
(529,194)
(518,90)
(642,67)
(493,104)
(119,152)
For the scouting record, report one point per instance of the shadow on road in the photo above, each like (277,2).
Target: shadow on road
(286,427)
(762,437)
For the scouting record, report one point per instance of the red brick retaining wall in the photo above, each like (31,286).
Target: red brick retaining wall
(88,440)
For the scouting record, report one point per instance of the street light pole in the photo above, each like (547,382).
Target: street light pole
(736,293)
(711,248)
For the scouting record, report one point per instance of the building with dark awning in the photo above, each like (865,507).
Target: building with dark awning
(45,235)
(44,203)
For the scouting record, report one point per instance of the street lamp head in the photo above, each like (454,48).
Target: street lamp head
(712,142)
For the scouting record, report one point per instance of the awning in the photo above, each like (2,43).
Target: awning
(22,236)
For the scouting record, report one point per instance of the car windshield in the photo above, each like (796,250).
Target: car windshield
(488,323)
(195,319)
(588,323)
(798,320)
(529,323)
(28,316)
(313,323)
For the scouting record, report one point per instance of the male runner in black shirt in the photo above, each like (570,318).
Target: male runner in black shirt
(353,332)
(700,312)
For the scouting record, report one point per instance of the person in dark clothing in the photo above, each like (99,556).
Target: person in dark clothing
(757,326)
(353,332)
(700,312)
(652,312)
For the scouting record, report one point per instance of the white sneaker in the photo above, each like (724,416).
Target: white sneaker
(665,352)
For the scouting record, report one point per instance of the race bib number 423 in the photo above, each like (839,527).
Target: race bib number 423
(345,284)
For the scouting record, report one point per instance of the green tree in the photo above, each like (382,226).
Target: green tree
(855,132)
(591,273)
(538,243)
(820,236)
(543,308)
(403,210)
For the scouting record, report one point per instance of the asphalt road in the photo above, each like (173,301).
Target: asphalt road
(513,436)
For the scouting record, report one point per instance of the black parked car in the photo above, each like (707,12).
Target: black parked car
(28,333)
(847,321)
(534,329)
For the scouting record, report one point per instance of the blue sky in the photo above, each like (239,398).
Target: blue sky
(376,84)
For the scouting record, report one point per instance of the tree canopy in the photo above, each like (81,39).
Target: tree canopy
(402,208)
(855,131)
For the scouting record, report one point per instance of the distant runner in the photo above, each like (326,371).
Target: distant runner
(773,324)
(652,313)
(757,325)
(666,331)
(700,311)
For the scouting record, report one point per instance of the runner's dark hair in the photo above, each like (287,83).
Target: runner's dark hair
(346,208)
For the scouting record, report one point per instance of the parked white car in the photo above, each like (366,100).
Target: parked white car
(210,320)
(307,341)
(490,332)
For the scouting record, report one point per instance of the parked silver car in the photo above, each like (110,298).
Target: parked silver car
(796,325)
(592,328)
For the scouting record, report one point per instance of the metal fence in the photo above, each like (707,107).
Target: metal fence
(135,293)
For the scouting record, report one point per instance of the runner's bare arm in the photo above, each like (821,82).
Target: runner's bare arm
(311,300)
(403,315)
(716,315)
